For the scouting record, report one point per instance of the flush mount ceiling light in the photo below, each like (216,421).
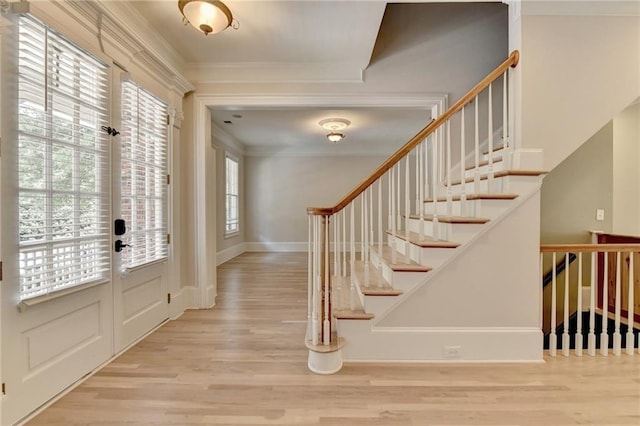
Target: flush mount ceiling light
(208,16)
(334,125)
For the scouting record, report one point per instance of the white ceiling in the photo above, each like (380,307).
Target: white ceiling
(318,46)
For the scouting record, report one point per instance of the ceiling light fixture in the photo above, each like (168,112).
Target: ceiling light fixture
(208,16)
(334,125)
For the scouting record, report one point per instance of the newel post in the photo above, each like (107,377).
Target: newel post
(324,346)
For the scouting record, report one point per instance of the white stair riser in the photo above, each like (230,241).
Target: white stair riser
(475,208)
(501,185)
(399,279)
(458,232)
(427,256)
(497,165)
(379,304)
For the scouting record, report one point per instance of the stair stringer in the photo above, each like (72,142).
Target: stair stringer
(498,317)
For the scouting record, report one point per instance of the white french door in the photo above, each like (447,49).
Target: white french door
(140,264)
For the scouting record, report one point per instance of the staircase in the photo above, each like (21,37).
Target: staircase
(451,271)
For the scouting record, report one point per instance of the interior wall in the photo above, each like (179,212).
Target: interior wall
(573,191)
(280,188)
(578,72)
(626,172)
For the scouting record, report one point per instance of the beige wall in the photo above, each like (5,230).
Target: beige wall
(573,191)
(279,189)
(578,72)
(626,172)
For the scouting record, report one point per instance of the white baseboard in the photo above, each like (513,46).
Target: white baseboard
(276,246)
(229,253)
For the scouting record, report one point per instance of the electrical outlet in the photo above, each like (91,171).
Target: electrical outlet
(600,215)
(452,352)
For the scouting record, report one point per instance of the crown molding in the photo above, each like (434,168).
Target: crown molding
(274,72)
(629,8)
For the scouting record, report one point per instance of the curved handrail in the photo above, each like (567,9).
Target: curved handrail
(511,61)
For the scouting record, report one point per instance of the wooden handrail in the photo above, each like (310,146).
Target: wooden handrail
(511,61)
(588,248)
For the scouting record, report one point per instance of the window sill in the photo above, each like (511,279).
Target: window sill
(231,235)
(37,300)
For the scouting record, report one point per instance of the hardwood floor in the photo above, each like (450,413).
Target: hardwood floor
(244,363)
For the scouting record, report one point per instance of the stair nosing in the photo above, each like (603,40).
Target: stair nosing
(453,219)
(501,173)
(477,196)
(429,242)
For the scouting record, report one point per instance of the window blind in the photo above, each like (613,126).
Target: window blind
(63,163)
(144,176)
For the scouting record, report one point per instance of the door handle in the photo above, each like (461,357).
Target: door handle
(119,246)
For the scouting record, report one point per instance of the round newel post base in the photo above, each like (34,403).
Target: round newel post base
(325,359)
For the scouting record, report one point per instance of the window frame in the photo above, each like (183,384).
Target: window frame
(233,232)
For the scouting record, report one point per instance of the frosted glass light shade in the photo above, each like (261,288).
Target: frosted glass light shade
(209,16)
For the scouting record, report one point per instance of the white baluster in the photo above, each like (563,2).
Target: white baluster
(380,234)
(407,211)
(425,171)
(565,335)
(316,284)
(506,155)
(578,337)
(365,247)
(418,184)
(476,170)
(344,242)
(435,231)
(463,168)
(553,339)
(630,306)
(363,231)
(490,166)
(393,218)
(591,341)
(617,337)
(604,336)
(448,171)
(371,224)
(309,276)
(398,211)
(422,190)
(337,265)
(326,326)
(352,259)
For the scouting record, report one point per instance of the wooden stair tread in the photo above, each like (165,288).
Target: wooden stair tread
(378,286)
(452,219)
(471,197)
(352,314)
(482,163)
(495,149)
(502,173)
(399,267)
(414,238)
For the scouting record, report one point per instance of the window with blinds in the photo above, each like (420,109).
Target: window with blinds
(232,193)
(144,176)
(63,163)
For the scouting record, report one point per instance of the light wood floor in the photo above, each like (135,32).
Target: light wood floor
(244,363)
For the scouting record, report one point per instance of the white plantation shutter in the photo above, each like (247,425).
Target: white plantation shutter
(144,176)
(63,159)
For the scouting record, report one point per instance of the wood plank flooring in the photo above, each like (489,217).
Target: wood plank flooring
(244,363)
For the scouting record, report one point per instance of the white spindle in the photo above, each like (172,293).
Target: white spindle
(553,340)
(326,327)
(425,171)
(365,244)
(393,217)
(490,166)
(617,337)
(352,258)
(380,234)
(371,224)
(604,336)
(336,292)
(398,211)
(423,192)
(505,107)
(435,231)
(418,184)
(565,335)
(630,318)
(363,231)
(463,167)
(448,171)
(591,340)
(344,242)
(309,275)
(476,170)
(578,338)
(407,210)
(316,285)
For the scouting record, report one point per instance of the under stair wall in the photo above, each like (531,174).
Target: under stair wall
(483,305)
